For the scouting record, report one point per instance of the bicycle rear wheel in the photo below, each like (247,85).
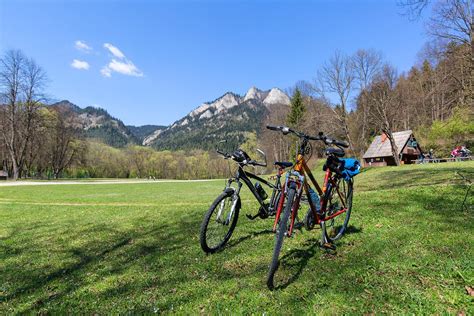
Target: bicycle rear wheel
(219,222)
(338,198)
(282,229)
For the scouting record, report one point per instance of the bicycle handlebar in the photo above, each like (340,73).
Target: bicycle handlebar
(246,162)
(274,128)
(226,155)
(327,140)
(340,143)
(256,163)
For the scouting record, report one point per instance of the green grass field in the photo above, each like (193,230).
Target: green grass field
(134,248)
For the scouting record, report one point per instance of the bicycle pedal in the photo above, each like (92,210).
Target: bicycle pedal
(251,217)
(328,246)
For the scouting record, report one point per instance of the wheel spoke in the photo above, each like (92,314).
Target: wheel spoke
(340,198)
(219,222)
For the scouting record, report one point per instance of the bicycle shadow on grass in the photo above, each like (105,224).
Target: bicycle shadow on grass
(247,237)
(352,230)
(297,259)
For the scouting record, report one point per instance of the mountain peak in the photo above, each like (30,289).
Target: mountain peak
(224,102)
(253,93)
(276,96)
(66,104)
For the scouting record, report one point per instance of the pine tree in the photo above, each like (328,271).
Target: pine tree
(297,109)
(295,117)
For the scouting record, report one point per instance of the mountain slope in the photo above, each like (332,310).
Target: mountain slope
(229,117)
(97,123)
(141,132)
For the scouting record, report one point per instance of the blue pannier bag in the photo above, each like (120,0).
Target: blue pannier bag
(350,168)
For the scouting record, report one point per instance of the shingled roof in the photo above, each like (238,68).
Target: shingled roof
(383,149)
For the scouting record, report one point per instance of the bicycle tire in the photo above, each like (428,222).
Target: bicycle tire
(205,244)
(339,231)
(282,228)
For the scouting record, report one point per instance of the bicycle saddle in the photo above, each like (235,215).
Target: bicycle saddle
(338,152)
(283,164)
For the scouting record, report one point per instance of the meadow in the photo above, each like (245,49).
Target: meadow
(134,248)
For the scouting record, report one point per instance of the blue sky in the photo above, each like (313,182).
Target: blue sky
(151,62)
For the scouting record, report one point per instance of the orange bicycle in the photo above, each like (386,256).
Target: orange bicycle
(330,207)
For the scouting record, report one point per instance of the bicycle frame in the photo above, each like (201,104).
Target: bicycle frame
(245,176)
(298,177)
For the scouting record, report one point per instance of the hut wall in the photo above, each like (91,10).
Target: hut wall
(375,162)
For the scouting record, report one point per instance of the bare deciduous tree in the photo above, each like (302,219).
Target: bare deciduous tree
(21,89)
(276,145)
(337,77)
(64,143)
(384,109)
(367,65)
(453,22)
(413,8)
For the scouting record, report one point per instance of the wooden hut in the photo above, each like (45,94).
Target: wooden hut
(379,152)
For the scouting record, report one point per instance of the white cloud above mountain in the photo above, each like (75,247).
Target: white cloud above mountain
(80,64)
(119,64)
(82,46)
(114,50)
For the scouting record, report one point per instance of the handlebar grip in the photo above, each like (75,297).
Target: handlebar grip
(273,128)
(341,143)
(226,155)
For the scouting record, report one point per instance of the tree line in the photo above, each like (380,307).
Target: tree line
(358,96)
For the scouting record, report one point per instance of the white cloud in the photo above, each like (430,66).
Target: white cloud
(82,46)
(106,71)
(125,68)
(120,64)
(114,50)
(80,64)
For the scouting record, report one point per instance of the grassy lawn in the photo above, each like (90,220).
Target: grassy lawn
(117,248)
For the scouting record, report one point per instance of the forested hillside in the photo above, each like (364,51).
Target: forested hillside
(141,132)
(96,123)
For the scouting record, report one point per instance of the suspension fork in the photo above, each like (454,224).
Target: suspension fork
(299,183)
(235,198)
(296,205)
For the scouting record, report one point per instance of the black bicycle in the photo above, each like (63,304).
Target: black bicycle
(220,220)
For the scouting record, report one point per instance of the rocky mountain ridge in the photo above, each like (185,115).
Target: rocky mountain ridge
(229,116)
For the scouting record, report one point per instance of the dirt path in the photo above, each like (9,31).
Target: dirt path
(113,181)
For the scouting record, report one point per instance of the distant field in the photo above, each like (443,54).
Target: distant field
(118,248)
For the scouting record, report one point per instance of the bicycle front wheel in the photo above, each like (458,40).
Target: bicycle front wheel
(339,198)
(282,229)
(219,222)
